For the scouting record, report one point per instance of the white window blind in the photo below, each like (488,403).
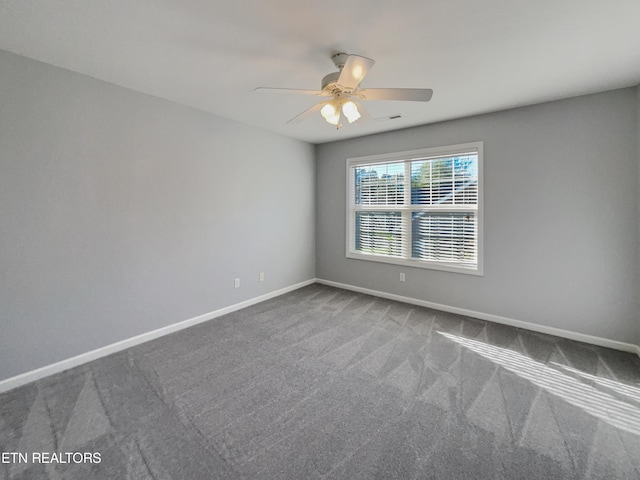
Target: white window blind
(419,208)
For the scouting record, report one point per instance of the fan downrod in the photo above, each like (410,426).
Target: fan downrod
(339,59)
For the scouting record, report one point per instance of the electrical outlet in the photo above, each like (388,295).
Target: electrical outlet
(236,283)
(402,276)
(261,276)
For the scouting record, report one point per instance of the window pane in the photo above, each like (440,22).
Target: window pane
(445,181)
(444,237)
(442,181)
(381,184)
(379,233)
(466,180)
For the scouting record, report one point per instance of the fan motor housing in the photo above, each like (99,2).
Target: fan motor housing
(329,83)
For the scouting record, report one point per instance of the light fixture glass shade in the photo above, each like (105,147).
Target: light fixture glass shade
(350,110)
(329,110)
(330,113)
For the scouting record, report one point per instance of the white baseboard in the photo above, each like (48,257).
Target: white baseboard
(558,332)
(23,379)
(33,375)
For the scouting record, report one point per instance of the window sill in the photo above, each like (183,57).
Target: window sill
(444,267)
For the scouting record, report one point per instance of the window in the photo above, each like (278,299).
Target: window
(421,208)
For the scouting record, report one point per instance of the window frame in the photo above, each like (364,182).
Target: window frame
(407,208)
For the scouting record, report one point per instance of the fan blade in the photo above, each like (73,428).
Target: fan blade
(289,90)
(407,94)
(354,70)
(307,113)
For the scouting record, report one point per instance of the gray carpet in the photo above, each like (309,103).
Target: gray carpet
(326,383)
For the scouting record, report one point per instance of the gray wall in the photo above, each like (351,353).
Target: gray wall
(561,224)
(121,213)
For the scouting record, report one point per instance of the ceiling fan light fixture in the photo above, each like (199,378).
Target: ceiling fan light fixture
(329,110)
(350,110)
(331,113)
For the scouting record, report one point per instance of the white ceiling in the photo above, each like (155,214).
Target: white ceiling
(478,56)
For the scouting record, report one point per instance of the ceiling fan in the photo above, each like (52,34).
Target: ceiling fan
(343,88)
